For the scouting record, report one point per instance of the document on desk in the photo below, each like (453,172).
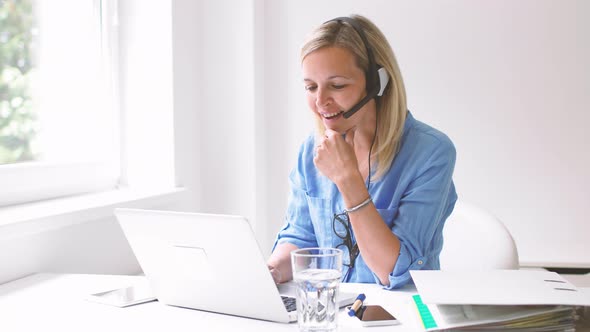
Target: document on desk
(496,299)
(501,287)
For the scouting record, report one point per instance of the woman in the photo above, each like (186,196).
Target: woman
(373,181)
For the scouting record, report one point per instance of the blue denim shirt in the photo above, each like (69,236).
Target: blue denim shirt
(414,198)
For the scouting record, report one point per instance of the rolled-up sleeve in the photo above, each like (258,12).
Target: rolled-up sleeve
(401,272)
(426,203)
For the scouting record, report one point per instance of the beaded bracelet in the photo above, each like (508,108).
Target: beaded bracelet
(365,202)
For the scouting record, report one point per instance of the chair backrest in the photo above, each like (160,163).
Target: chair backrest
(474,239)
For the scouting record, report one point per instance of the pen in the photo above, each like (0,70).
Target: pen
(356,305)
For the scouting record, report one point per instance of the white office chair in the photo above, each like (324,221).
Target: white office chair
(476,240)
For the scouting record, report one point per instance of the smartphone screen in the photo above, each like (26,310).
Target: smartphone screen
(374,315)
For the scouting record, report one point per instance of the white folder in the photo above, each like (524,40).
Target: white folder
(498,287)
(497,299)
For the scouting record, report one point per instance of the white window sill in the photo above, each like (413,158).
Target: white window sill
(32,218)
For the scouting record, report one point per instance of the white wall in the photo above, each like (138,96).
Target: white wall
(219,109)
(96,246)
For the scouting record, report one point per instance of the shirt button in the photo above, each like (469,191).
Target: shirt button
(420,262)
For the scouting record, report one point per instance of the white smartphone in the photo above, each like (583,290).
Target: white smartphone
(123,297)
(375,315)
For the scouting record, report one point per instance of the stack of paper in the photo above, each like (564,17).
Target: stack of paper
(516,300)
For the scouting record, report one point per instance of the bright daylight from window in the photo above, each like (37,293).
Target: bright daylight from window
(56,105)
(18,121)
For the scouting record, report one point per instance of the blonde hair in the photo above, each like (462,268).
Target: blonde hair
(391,106)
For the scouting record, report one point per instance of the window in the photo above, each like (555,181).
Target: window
(59,120)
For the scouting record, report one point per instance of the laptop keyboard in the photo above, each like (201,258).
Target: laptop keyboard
(289,303)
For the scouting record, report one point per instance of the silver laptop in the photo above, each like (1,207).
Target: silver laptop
(206,261)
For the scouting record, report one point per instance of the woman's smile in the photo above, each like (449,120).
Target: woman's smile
(331,116)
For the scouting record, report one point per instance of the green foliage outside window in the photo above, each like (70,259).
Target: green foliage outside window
(18,122)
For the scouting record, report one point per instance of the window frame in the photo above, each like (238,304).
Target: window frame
(33,181)
(147,179)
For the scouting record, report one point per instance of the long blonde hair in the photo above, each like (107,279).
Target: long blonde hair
(391,106)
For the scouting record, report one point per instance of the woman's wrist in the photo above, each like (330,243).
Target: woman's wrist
(353,192)
(359,206)
(348,179)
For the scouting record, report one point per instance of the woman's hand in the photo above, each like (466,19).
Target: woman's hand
(279,262)
(335,157)
(276,274)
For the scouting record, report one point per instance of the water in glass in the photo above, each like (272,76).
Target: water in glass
(317,307)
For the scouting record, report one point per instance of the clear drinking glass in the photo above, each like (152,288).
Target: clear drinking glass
(317,272)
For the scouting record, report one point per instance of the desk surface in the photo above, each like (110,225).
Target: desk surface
(54,302)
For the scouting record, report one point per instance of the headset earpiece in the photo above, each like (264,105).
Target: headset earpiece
(383,80)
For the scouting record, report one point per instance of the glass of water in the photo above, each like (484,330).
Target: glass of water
(317,272)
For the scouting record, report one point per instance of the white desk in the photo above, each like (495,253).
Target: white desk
(56,302)
(53,302)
